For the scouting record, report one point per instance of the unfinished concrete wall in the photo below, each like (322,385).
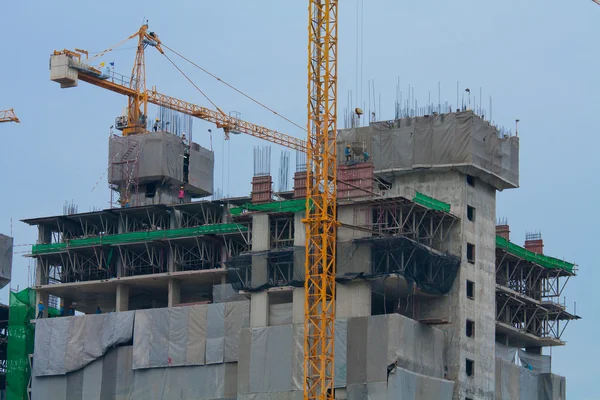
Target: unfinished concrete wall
(452,187)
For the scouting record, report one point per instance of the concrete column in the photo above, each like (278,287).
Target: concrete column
(122,303)
(298,305)
(260,242)
(353,300)
(259,309)
(174,292)
(43,297)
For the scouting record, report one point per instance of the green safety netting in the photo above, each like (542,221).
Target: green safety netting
(521,252)
(21,335)
(430,202)
(275,206)
(140,237)
(20,343)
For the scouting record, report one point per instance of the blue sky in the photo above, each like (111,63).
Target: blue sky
(538,59)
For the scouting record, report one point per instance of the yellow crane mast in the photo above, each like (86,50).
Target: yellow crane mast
(321,200)
(8,116)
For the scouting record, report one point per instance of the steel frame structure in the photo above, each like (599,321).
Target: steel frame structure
(281,231)
(321,200)
(399,217)
(202,213)
(527,296)
(280,267)
(544,320)
(530,279)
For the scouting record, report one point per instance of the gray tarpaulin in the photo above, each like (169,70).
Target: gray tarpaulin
(112,378)
(538,362)
(340,352)
(190,335)
(271,359)
(225,293)
(69,343)
(280,314)
(407,385)
(159,157)
(505,353)
(515,382)
(201,169)
(552,387)
(414,346)
(461,141)
(237,317)
(6,256)
(364,348)
(215,333)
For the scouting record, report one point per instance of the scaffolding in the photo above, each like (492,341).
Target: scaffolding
(528,291)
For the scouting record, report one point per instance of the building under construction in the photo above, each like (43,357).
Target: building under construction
(205,299)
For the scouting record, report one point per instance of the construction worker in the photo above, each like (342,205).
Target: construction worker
(62,309)
(71,310)
(156,124)
(98,310)
(181,194)
(184,139)
(348,153)
(40,310)
(366,156)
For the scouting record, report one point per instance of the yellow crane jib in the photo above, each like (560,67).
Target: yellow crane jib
(9,116)
(67,67)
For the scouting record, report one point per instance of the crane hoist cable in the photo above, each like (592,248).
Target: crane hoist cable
(192,82)
(234,88)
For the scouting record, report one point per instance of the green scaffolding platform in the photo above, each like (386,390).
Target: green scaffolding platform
(540,259)
(135,237)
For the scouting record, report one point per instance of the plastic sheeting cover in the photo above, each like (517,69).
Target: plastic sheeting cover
(201,171)
(112,378)
(69,343)
(6,255)
(505,353)
(514,382)
(461,141)
(537,362)
(406,385)
(226,293)
(271,359)
(552,387)
(191,335)
(280,314)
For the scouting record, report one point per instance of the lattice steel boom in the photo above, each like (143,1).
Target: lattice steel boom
(320,221)
(8,116)
(134,88)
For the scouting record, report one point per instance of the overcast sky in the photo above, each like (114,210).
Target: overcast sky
(538,59)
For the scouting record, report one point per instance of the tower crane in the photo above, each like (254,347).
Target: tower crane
(321,200)
(70,66)
(8,116)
